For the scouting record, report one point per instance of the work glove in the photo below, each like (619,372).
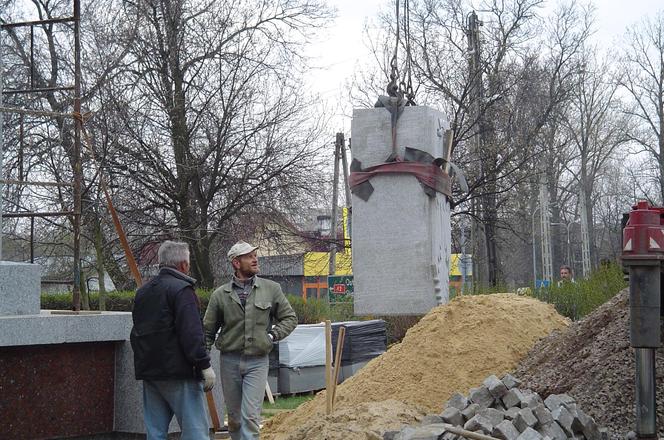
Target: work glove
(208,379)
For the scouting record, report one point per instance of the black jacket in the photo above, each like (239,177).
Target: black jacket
(167,337)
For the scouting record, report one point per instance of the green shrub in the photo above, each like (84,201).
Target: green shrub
(576,300)
(116,301)
(311,311)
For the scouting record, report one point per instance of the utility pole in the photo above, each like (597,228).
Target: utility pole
(585,239)
(477,94)
(344,167)
(545,218)
(338,144)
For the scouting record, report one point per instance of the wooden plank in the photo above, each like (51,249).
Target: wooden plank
(268,392)
(337,361)
(212,408)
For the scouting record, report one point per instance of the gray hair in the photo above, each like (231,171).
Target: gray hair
(172,253)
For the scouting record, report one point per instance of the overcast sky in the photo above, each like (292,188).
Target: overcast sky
(343,46)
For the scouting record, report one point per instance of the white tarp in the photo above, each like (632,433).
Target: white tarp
(304,347)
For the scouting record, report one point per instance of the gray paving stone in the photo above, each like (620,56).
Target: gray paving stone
(543,414)
(481,396)
(498,404)
(505,430)
(470,411)
(479,423)
(405,431)
(430,419)
(525,419)
(496,387)
(511,381)
(514,397)
(553,430)
(493,415)
(529,434)
(429,432)
(512,412)
(588,426)
(450,436)
(453,416)
(458,401)
(552,402)
(564,419)
(566,398)
(531,400)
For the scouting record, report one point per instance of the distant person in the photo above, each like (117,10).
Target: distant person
(566,274)
(250,313)
(169,349)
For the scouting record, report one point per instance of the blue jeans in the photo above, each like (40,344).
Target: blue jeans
(243,380)
(183,398)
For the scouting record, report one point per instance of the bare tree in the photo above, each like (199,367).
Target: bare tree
(596,128)
(642,64)
(208,120)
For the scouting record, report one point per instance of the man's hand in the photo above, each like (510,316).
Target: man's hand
(208,379)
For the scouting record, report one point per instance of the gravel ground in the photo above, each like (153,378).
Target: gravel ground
(593,362)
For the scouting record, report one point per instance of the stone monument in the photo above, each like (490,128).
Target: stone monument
(400,224)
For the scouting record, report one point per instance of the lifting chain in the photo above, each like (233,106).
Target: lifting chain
(401,88)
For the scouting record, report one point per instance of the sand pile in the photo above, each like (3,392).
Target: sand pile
(453,348)
(593,362)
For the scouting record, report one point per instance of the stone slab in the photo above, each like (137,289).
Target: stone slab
(401,237)
(46,328)
(20,288)
(301,379)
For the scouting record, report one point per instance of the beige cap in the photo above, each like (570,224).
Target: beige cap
(240,248)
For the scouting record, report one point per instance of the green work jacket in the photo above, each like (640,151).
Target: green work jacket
(245,329)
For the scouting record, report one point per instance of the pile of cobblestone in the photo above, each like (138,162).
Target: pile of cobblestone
(594,362)
(500,409)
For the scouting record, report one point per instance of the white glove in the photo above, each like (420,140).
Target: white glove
(208,379)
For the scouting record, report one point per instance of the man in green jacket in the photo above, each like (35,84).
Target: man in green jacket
(249,313)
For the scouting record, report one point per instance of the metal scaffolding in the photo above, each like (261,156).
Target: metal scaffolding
(75,213)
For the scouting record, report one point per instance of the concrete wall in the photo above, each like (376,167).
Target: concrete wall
(60,333)
(400,236)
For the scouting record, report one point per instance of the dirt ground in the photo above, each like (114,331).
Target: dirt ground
(453,348)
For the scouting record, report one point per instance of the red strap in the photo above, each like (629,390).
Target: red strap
(428,174)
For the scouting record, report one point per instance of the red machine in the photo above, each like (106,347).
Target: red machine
(643,258)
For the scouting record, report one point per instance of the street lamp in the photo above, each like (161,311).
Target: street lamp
(534,251)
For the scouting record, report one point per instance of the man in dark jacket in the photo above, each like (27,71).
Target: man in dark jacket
(169,349)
